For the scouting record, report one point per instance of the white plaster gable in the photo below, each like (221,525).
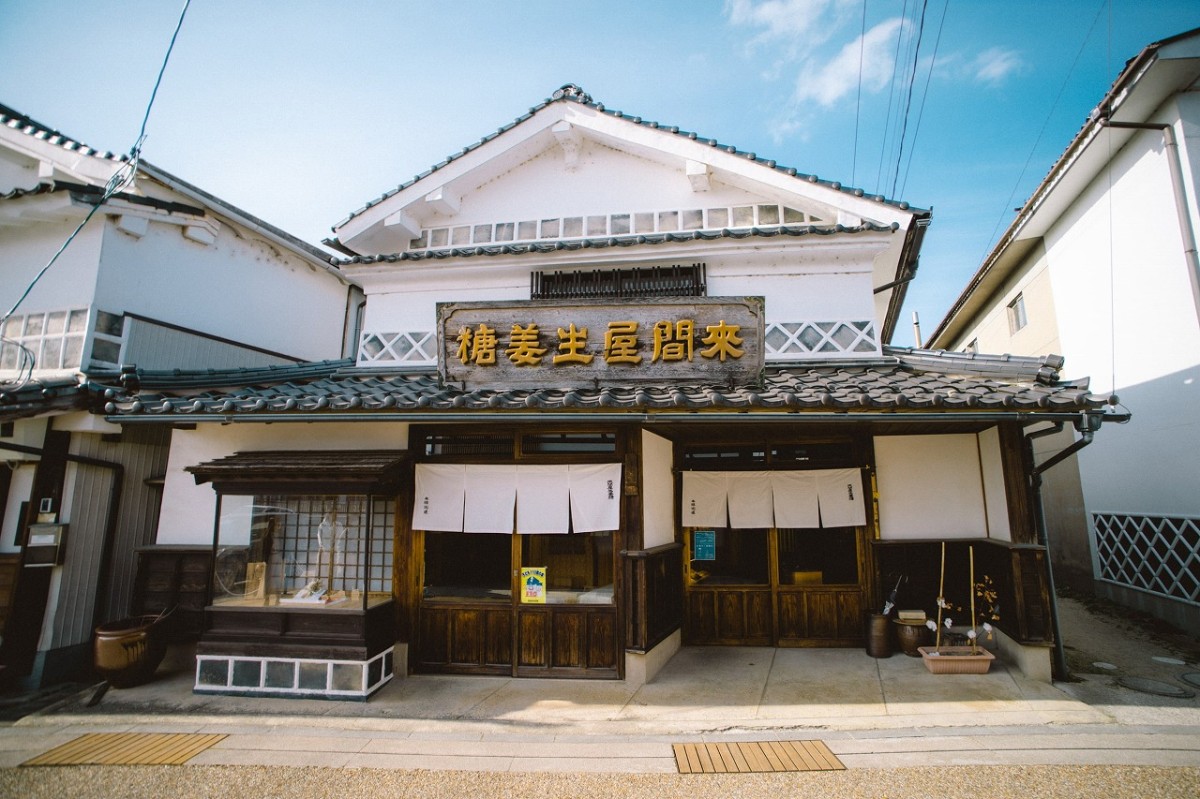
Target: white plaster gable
(569,157)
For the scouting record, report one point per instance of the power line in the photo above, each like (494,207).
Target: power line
(1009,202)
(862,41)
(924,94)
(887,122)
(912,79)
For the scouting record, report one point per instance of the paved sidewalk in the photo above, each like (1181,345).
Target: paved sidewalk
(886,713)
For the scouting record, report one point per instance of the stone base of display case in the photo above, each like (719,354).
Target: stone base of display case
(300,678)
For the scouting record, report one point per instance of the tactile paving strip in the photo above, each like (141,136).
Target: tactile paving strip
(127,749)
(756,756)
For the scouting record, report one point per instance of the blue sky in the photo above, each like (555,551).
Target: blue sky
(301,111)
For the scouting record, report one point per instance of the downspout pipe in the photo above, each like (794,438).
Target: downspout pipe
(1087,427)
(1186,231)
(103,576)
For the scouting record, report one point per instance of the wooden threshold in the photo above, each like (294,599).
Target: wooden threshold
(755,756)
(127,749)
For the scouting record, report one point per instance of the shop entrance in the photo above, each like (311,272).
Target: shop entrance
(519,605)
(774,587)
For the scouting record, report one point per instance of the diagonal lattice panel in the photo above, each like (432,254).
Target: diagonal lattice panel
(1159,554)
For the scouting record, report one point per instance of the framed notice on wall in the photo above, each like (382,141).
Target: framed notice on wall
(533,585)
(704,545)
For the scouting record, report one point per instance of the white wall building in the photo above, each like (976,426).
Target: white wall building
(642,364)
(1100,265)
(163,276)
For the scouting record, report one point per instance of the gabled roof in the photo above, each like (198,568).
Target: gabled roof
(904,383)
(110,162)
(570,93)
(1159,71)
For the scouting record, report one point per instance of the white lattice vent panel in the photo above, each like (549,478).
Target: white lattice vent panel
(820,339)
(416,348)
(1159,554)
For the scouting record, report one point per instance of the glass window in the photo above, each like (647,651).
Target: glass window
(739,557)
(643,223)
(527,231)
(597,225)
(504,231)
(460,235)
(825,556)
(550,228)
(106,351)
(792,216)
(468,567)
(619,223)
(579,567)
(482,234)
(743,215)
(573,227)
(1016,314)
(303,551)
(718,217)
(668,220)
(768,214)
(692,220)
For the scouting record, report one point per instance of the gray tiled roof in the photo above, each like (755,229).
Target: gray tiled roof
(11,118)
(618,241)
(574,94)
(884,385)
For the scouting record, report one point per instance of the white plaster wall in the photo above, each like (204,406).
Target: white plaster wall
(930,487)
(798,297)
(188,509)
(658,490)
(1135,329)
(239,288)
(994,493)
(1040,336)
(604,181)
(1119,276)
(70,283)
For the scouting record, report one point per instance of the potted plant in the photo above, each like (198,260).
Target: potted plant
(972,658)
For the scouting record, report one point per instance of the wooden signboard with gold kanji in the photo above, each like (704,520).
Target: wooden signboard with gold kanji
(582,343)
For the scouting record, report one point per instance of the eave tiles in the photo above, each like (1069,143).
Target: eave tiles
(877,388)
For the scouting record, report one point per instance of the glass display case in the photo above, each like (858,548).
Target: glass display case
(311,551)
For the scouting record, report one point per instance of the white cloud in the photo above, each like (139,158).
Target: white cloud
(995,64)
(799,23)
(838,77)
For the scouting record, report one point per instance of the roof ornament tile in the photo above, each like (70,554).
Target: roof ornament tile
(570,91)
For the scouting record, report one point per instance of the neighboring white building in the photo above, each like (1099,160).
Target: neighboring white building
(163,276)
(620,388)
(1100,266)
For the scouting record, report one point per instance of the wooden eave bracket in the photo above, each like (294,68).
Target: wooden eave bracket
(443,201)
(699,175)
(570,141)
(403,225)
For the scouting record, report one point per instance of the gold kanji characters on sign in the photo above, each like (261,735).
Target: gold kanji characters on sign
(722,341)
(523,345)
(478,347)
(621,343)
(673,342)
(571,343)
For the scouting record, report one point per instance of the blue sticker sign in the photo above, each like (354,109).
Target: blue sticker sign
(704,545)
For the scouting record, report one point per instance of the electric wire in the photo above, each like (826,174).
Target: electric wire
(125,175)
(1032,150)
(862,42)
(887,122)
(924,95)
(912,79)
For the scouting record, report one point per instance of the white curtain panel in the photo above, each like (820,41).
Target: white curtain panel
(841,497)
(440,492)
(491,498)
(543,499)
(750,504)
(795,498)
(595,497)
(704,499)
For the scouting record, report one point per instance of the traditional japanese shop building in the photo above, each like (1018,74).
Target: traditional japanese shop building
(620,388)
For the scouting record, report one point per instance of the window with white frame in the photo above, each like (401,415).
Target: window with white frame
(1016,314)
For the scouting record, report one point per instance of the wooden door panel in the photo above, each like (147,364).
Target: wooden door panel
(497,638)
(567,645)
(532,635)
(602,640)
